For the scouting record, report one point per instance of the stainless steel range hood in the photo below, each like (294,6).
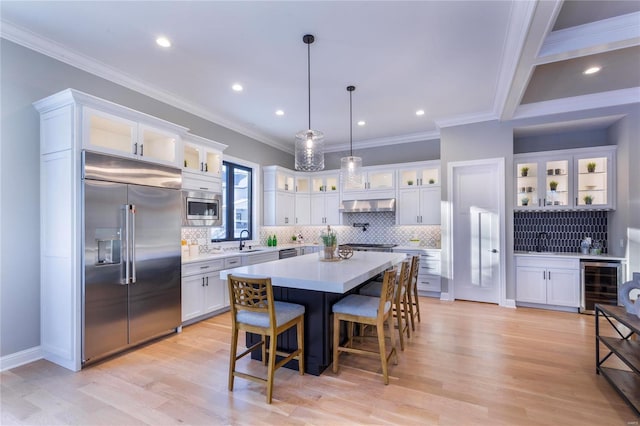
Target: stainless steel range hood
(366,206)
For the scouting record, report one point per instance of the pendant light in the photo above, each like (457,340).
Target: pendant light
(309,151)
(351,167)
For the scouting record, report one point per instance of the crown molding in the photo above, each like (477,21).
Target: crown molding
(579,103)
(391,140)
(56,51)
(588,39)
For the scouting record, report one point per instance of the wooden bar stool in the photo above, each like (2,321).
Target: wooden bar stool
(356,308)
(253,310)
(401,307)
(412,292)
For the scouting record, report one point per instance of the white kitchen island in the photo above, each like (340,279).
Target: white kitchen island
(316,285)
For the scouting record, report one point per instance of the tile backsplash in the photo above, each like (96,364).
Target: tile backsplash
(565,229)
(381,228)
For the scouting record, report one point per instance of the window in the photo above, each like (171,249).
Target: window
(237,196)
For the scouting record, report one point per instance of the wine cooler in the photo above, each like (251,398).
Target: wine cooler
(599,284)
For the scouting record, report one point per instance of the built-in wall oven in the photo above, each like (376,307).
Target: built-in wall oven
(201,208)
(600,281)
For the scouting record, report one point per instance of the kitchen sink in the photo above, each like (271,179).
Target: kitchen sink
(250,250)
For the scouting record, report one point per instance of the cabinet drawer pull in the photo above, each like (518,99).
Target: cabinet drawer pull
(141,150)
(204,267)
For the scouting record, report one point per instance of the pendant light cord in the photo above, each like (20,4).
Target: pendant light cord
(350,89)
(309,79)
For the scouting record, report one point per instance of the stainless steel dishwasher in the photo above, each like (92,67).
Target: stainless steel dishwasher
(285,253)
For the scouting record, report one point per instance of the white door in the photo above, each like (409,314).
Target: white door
(477,205)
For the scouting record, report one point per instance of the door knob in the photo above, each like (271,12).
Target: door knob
(494,251)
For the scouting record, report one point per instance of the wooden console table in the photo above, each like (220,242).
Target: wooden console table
(625,347)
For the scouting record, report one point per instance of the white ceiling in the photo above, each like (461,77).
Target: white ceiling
(459,61)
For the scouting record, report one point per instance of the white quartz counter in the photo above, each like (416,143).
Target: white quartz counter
(415,248)
(309,273)
(603,257)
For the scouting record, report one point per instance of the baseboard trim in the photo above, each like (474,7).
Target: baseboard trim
(509,303)
(445,296)
(20,358)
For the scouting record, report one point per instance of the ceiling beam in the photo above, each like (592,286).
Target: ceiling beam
(592,38)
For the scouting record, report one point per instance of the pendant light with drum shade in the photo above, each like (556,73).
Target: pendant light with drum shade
(351,167)
(309,150)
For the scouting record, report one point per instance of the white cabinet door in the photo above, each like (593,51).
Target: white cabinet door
(594,186)
(531,285)
(332,208)
(302,209)
(563,287)
(192,296)
(408,207)
(285,205)
(214,293)
(111,134)
(430,206)
(108,133)
(317,210)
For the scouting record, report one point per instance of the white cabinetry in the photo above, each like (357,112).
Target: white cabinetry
(429,279)
(377,183)
(419,194)
(548,281)
(325,199)
(71,121)
(255,258)
(302,200)
(279,196)
(202,156)
(203,292)
(117,130)
(567,179)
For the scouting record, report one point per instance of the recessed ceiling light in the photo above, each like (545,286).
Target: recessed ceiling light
(237,87)
(361,123)
(420,112)
(163,41)
(591,70)
(279,112)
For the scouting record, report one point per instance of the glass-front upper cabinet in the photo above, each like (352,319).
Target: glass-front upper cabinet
(567,179)
(111,134)
(419,175)
(303,184)
(543,183)
(594,184)
(202,156)
(324,182)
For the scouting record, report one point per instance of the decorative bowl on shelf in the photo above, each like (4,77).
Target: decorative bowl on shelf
(590,186)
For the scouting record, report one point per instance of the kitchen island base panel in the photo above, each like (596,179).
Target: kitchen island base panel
(318,328)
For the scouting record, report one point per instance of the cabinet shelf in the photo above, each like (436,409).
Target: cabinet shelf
(626,382)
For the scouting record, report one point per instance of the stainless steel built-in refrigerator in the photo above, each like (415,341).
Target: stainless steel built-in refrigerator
(131,251)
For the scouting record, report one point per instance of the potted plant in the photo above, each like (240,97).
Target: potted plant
(591,167)
(409,182)
(588,199)
(525,201)
(333,187)
(432,181)
(329,241)
(553,185)
(524,171)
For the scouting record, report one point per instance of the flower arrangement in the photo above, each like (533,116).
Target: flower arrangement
(329,240)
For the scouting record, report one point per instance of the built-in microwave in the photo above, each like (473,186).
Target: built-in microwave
(201,208)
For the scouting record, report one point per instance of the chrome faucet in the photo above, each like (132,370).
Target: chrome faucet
(241,243)
(539,239)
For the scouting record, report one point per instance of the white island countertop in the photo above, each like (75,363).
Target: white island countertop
(308,272)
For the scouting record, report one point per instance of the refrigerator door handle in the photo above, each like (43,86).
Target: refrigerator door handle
(133,243)
(125,280)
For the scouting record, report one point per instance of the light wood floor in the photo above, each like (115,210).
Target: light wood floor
(467,364)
